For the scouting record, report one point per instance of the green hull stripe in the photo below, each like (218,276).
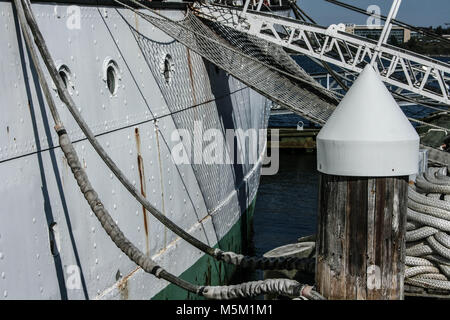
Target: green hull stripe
(206,270)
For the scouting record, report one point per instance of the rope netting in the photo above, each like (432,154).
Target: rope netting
(264,67)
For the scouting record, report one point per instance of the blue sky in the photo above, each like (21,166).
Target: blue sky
(415,12)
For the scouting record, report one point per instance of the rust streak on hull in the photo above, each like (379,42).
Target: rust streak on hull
(191,76)
(140,163)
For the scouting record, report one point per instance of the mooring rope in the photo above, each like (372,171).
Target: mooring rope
(427,237)
(249,289)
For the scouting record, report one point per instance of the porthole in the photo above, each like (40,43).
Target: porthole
(111,75)
(167,68)
(66,77)
(54,239)
(111,80)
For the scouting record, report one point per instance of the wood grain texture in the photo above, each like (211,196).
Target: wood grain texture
(361,231)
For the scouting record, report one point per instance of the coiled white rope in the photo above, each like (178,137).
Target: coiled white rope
(431,187)
(416,261)
(427,238)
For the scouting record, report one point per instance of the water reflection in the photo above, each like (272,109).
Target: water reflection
(286,206)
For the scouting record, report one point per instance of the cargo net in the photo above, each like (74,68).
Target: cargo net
(264,67)
(269,70)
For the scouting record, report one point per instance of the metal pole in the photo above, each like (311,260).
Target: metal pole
(390,22)
(246,6)
(387,28)
(260,3)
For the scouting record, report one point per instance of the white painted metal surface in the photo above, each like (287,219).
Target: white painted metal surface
(368,135)
(397,67)
(39,199)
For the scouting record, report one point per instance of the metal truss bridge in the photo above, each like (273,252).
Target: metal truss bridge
(408,72)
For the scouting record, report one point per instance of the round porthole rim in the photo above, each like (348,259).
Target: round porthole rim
(107,63)
(62,67)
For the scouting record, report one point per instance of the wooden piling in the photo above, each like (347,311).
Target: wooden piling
(360,242)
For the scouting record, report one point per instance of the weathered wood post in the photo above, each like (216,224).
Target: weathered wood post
(365,153)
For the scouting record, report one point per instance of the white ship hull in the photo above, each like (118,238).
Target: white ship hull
(51,244)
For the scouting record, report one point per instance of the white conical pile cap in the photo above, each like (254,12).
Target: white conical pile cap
(368,135)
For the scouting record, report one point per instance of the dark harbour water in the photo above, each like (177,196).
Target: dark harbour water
(286,206)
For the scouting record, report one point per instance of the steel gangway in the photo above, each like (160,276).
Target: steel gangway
(255,46)
(397,67)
